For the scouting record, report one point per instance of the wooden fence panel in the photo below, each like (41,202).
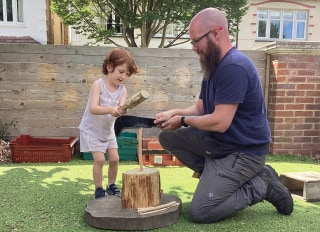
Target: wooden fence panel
(44,88)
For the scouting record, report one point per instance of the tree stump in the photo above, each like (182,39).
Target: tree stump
(140,188)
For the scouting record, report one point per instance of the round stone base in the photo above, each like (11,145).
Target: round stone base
(107,213)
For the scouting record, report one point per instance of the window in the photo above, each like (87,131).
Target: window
(282,25)
(11,11)
(173,30)
(114,23)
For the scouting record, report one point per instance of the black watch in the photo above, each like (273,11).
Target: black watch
(182,122)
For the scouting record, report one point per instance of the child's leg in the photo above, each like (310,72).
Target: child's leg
(113,158)
(97,170)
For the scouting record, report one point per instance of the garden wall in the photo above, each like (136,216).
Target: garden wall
(294,97)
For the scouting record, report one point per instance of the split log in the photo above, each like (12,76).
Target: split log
(140,189)
(156,209)
(135,100)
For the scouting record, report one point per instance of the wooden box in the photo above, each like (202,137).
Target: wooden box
(304,184)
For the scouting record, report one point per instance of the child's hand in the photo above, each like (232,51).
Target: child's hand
(117,111)
(121,111)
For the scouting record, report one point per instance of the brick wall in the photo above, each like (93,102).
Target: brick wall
(294,98)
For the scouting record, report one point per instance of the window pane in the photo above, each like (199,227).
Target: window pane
(274,29)
(170,29)
(20,10)
(1,11)
(262,29)
(118,25)
(287,29)
(109,22)
(9,11)
(301,15)
(300,30)
(288,15)
(262,14)
(275,14)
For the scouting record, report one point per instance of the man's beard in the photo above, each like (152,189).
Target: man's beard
(209,59)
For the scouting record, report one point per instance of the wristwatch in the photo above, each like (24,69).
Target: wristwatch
(182,122)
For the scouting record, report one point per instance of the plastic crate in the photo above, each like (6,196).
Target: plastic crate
(26,148)
(153,154)
(127,147)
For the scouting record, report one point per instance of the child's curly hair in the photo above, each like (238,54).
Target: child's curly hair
(119,56)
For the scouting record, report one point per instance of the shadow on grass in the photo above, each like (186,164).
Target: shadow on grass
(43,199)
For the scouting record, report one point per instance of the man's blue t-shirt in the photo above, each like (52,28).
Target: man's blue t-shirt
(236,80)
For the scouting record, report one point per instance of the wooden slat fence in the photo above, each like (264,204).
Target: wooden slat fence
(44,88)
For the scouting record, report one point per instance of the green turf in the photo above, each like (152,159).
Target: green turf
(53,196)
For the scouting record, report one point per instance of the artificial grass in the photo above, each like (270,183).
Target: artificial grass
(53,196)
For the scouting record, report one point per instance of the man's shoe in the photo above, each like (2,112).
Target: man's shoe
(100,192)
(277,194)
(113,190)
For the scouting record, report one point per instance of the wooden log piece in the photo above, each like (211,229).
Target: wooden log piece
(157,209)
(140,148)
(140,189)
(135,100)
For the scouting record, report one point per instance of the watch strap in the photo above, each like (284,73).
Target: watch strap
(182,122)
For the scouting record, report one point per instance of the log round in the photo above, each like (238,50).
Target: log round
(107,213)
(140,188)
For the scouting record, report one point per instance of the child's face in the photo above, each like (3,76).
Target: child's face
(119,74)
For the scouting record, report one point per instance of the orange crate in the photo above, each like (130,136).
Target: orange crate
(157,159)
(179,163)
(30,149)
(146,140)
(154,145)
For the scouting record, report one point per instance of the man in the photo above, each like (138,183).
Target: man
(225,135)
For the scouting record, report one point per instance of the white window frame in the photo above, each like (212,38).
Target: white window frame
(17,13)
(281,19)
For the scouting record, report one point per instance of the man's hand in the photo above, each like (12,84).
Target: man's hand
(170,124)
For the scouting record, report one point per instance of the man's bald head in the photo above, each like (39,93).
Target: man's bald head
(209,18)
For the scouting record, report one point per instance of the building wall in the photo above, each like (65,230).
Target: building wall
(79,40)
(58,33)
(34,24)
(248,26)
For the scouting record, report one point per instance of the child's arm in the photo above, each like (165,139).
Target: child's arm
(123,97)
(122,101)
(95,108)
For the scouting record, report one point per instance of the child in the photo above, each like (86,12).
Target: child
(97,125)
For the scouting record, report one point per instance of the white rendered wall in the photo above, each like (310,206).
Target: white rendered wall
(34,25)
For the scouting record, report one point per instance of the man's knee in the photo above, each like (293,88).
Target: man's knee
(163,138)
(201,214)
